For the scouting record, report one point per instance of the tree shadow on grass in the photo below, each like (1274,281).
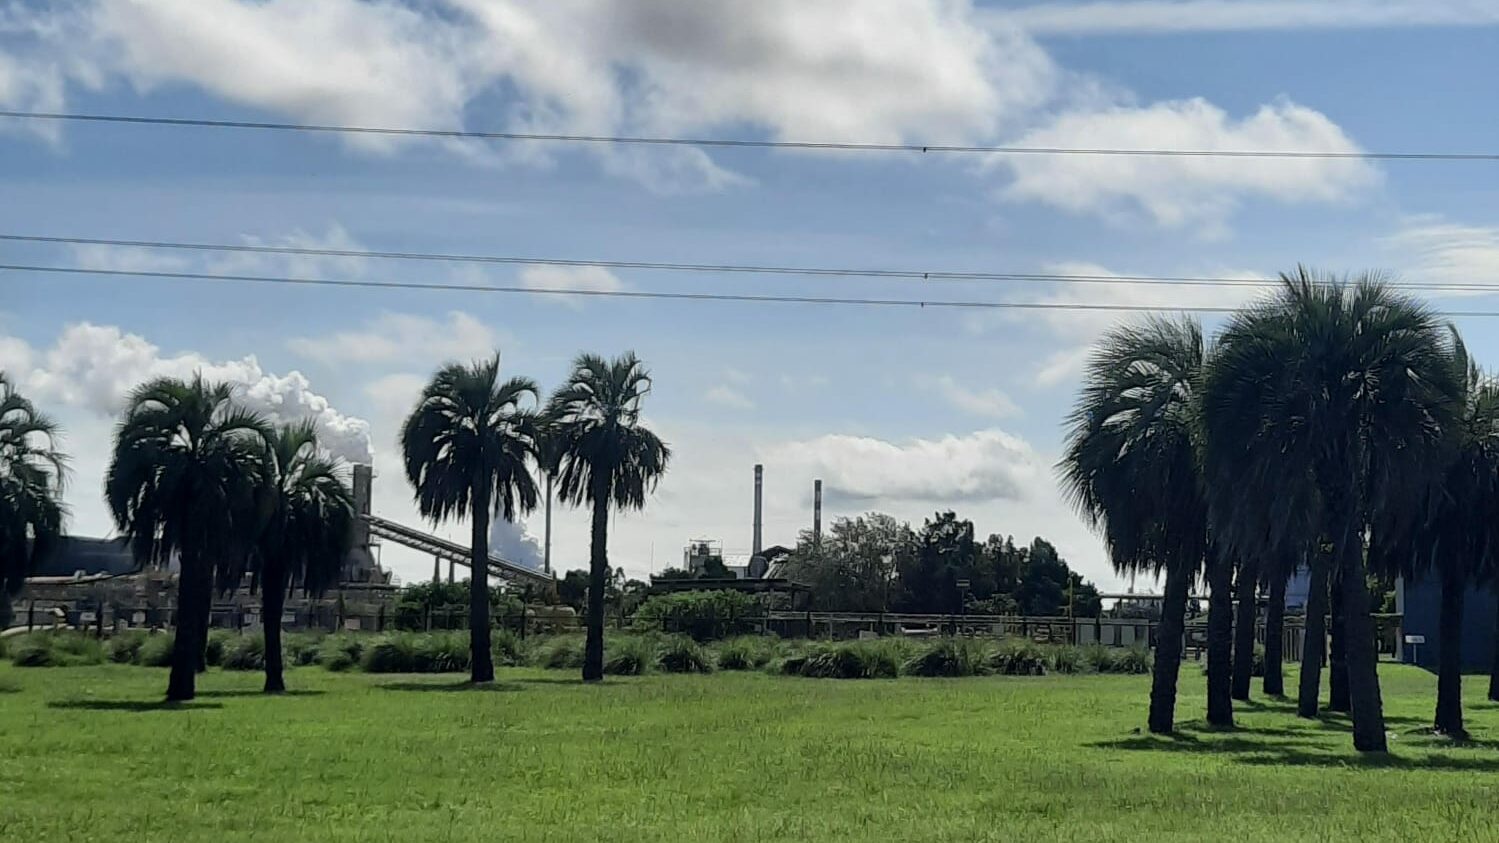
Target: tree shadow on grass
(1185,743)
(246,692)
(449,687)
(549,680)
(130,705)
(1296,758)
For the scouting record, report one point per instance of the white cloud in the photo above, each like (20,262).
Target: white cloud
(991,403)
(984,465)
(727,396)
(1185,191)
(901,70)
(1154,16)
(1434,250)
(93,368)
(1062,365)
(570,278)
(397,336)
(393,396)
(1079,329)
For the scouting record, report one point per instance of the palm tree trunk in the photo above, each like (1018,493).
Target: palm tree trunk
(1494,666)
(1449,718)
(1314,645)
(1168,652)
(1363,662)
(481,660)
(272,603)
(1220,640)
(598,569)
(546,553)
(1337,656)
(1245,616)
(187,652)
(1275,616)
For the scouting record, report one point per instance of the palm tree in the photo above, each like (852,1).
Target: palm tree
(1457,538)
(1246,615)
(307,536)
(467,446)
(1277,573)
(1342,392)
(32,471)
(188,478)
(606,459)
(1130,467)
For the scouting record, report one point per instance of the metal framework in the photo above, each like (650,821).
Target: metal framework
(451,551)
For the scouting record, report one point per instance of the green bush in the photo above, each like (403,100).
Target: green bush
(559,652)
(1019,658)
(951,657)
(125,648)
(156,650)
(340,652)
(747,652)
(630,655)
(1066,658)
(880,659)
(32,653)
(298,649)
(1135,660)
(244,652)
(406,652)
(680,654)
(703,615)
(218,641)
(507,648)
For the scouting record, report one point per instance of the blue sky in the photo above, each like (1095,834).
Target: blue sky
(903,411)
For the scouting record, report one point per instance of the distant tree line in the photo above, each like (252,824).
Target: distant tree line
(877,563)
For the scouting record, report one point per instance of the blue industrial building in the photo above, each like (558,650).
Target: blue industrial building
(1419,601)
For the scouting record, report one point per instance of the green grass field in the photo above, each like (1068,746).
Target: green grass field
(87,754)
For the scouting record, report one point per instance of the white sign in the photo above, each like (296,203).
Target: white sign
(288,618)
(1415,639)
(86,617)
(963,583)
(351,624)
(138,618)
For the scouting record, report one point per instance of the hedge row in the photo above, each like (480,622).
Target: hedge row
(624,654)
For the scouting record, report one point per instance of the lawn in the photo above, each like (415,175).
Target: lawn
(87,754)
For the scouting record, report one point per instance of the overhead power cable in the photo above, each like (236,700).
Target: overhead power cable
(751,269)
(642,140)
(645,294)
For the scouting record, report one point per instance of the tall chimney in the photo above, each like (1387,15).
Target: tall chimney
(759,497)
(816,513)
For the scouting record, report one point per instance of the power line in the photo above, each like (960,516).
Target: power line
(753,269)
(848,146)
(644,294)
(630,294)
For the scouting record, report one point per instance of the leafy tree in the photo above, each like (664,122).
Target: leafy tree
(467,448)
(704,615)
(188,478)
(572,589)
(853,567)
(1337,398)
(32,470)
(945,553)
(1457,535)
(607,458)
(1131,468)
(307,536)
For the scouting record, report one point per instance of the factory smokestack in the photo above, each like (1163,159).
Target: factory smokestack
(816,513)
(759,498)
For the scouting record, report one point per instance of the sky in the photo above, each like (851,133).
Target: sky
(907,411)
